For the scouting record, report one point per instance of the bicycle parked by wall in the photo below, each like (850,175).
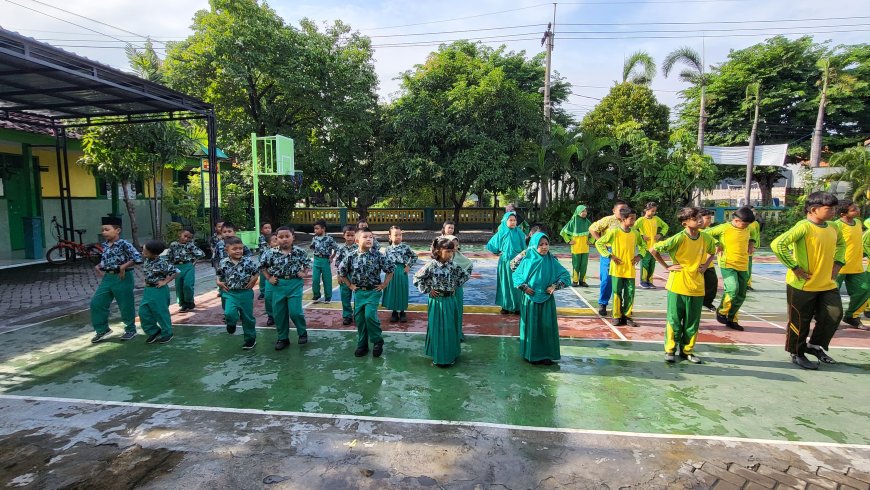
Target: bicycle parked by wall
(68,251)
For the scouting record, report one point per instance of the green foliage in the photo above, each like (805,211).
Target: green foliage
(173,228)
(231,211)
(628,102)
(639,68)
(187,204)
(555,215)
(853,165)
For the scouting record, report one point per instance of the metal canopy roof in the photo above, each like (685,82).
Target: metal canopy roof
(40,79)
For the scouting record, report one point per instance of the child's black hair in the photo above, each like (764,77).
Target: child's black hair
(348,228)
(285,228)
(625,213)
(321,223)
(188,229)
(818,199)
(232,240)
(617,202)
(688,213)
(535,228)
(843,207)
(228,225)
(650,205)
(155,246)
(707,212)
(745,214)
(441,244)
(264,224)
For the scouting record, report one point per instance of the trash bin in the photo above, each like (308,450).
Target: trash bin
(33,248)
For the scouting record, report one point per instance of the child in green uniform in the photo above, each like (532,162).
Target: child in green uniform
(448,228)
(183,254)
(265,286)
(711,280)
(813,250)
(737,245)
(867,269)
(692,252)
(361,272)
(116,284)
(363,224)
(651,229)
(216,237)
(440,278)
(262,245)
(625,247)
(284,268)
(227,230)
(852,272)
(237,274)
(538,276)
(154,308)
(403,258)
(596,231)
(324,247)
(576,234)
(347,248)
(507,242)
(466,265)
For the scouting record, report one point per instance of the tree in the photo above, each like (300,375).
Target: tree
(639,68)
(753,100)
(624,103)
(145,62)
(694,74)
(163,145)
(853,165)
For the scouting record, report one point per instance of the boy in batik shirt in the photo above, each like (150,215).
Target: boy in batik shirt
(116,283)
(324,248)
(154,308)
(344,250)
(236,276)
(183,254)
(284,268)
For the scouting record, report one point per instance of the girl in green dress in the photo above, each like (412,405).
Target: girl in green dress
(507,242)
(440,278)
(403,258)
(538,276)
(464,262)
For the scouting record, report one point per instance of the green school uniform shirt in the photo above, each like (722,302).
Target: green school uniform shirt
(814,248)
(689,253)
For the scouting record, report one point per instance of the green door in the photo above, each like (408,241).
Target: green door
(16,187)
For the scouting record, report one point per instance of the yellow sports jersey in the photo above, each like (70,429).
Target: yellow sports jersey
(735,245)
(624,245)
(689,253)
(580,245)
(852,235)
(755,232)
(814,248)
(649,228)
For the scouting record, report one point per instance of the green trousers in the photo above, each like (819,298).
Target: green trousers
(185,281)
(683,320)
(239,304)
(442,338)
(346,301)
(322,269)
(623,296)
(825,306)
(112,287)
(365,314)
(539,330)
(579,264)
(858,288)
(287,307)
(266,288)
(749,280)
(735,283)
(154,311)
(647,267)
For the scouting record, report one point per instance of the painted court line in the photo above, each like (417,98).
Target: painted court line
(612,328)
(453,423)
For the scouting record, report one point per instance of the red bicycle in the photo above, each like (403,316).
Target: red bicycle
(68,250)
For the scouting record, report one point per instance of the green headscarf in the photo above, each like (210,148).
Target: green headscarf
(507,241)
(539,271)
(459,259)
(576,226)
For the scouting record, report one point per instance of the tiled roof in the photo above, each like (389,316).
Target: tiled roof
(33,124)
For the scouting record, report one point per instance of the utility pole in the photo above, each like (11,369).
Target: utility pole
(548,40)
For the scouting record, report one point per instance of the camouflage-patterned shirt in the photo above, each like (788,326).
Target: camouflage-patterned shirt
(343,251)
(401,254)
(323,246)
(439,276)
(363,269)
(262,243)
(285,265)
(221,253)
(156,270)
(184,253)
(117,254)
(237,275)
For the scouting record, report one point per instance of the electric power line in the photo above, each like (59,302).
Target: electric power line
(456,18)
(816,19)
(88,18)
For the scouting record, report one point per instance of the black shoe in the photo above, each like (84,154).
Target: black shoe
(820,354)
(378,350)
(101,336)
(802,361)
(183,309)
(249,344)
(231,329)
(734,326)
(691,358)
(394,317)
(282,344)
(346,321)
(128,336)
(710,307)
(750,288)
(853,322)
(152,338)
(620,322)
(505,312)
(602,310)
(515,312)
(721,318)
(583,284)
(270,321)
(670,357)
(361,351)
(629,321)
(303,339)
(166,338)
(403,317)
(575,284)
(261,296)
(867,314)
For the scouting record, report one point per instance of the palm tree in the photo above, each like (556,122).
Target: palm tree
(639,60)
(853,166)
(694,74)
(753,101)
(145,62)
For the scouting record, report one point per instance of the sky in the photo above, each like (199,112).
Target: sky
(592,38)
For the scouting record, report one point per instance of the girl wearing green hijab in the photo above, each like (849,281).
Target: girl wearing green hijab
(507,242)
(576,234)
(538,276)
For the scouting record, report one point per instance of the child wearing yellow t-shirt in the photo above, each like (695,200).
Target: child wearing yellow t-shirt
(652,229)
(737,244)
(692,253)
(625,248)
(813,251)
(852,272)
